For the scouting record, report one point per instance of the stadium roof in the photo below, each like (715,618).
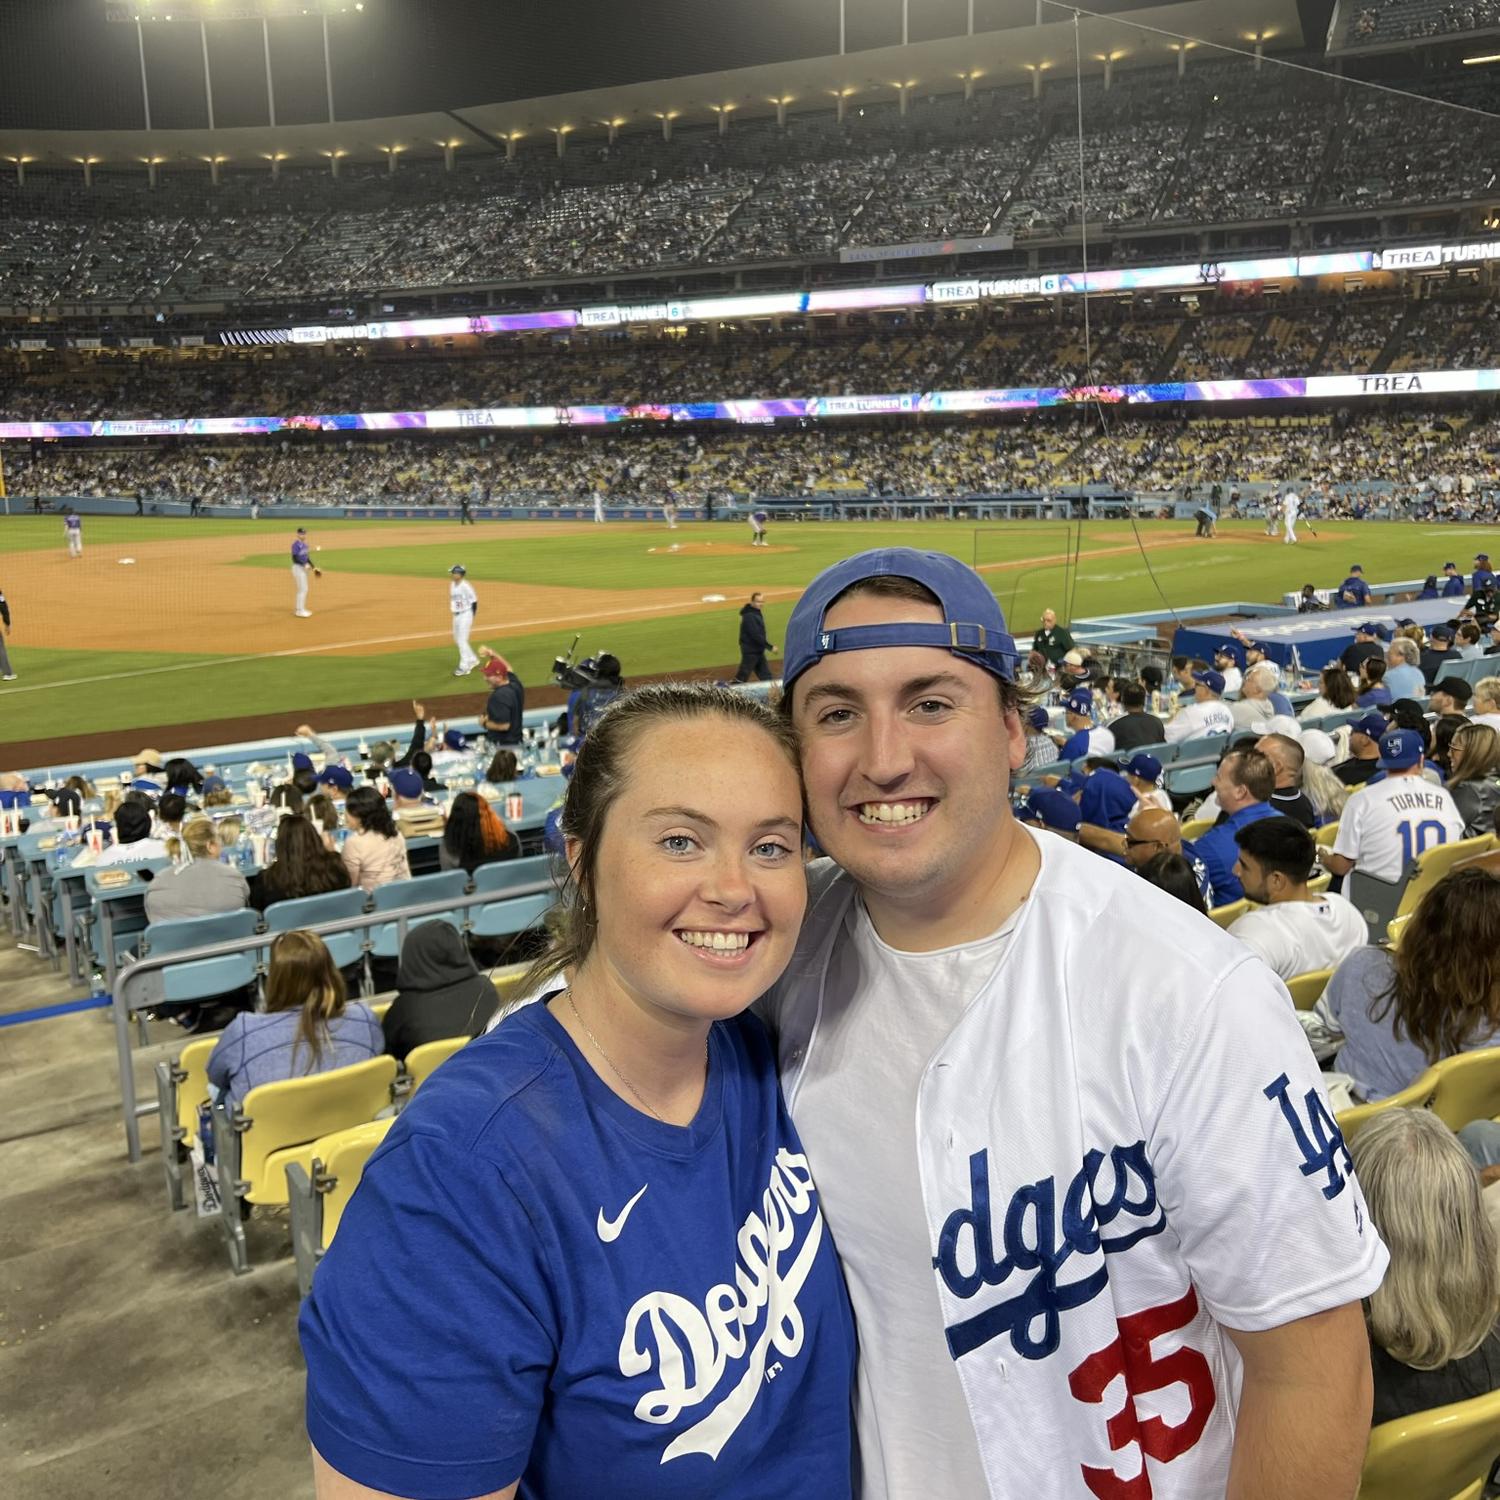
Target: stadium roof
(1007,56)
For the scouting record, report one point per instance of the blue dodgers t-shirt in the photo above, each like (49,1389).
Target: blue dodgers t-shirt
(534,1279)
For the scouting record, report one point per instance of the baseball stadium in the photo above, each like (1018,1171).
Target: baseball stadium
(750,750)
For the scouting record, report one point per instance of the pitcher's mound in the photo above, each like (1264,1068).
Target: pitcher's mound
(715,549)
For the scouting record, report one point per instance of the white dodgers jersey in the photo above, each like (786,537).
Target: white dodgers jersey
(1118,1162)
(1387,824)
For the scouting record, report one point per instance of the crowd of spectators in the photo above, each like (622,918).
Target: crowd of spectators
(1224,143)
(1410,20)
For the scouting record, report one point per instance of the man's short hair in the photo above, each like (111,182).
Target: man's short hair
(1132,696)
(1251,769)
(1291,753)
(1267,672)
(1280,844)
(1404,649)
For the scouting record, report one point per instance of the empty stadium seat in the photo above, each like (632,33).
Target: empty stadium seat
(277,1123)
(502,919)
(1443,1454)
(181,1086)
(1377,900)
(385,940)
(203,978)
(1394,928)
(509,874)
(347,948)
(1195,828)
(318,1192)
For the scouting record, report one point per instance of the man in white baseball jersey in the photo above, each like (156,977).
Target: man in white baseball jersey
(598,507)
(463,602)
(1393,820)
(1291,505)
(1206,714)
(1292,928)
(1099,1228)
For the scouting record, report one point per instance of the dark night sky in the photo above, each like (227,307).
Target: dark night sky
(63,66)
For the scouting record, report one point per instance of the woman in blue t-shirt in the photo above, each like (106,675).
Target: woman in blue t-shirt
(590,1257)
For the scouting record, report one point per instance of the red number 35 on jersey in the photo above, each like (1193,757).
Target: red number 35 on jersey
(1130,1356)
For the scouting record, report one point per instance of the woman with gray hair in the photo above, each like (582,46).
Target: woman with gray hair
(1432,1322)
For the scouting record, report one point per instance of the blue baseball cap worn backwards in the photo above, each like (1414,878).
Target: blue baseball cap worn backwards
(973,627)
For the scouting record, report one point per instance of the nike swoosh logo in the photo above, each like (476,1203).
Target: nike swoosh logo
(609,1229)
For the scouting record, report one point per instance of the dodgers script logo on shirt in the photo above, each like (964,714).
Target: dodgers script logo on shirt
(1039,1236)
(691,1347)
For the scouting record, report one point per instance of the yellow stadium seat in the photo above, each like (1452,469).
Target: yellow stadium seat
(1320,883)
(422,1061)
(278,1124)
(1444,1454)
(1413,1096)
(1196,827)
(1432,865)
(181,1087)
(1465,1088)
(1393,929)
(1224,915)
(319,1192)
(1325,835)
(1307,989)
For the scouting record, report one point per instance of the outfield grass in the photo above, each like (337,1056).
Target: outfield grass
(170,688)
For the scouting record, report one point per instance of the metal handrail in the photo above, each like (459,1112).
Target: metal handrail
(402,916)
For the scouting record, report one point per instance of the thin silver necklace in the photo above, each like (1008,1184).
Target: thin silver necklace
(640,1097)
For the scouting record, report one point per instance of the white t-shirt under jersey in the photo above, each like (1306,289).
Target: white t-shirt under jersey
(1294,937)
(1391,822)
(915,1434)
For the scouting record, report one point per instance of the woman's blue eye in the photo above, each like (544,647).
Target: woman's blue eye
(677,843)
(771,850)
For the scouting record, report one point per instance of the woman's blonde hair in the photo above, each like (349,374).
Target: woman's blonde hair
(1441,1295)
(1487,688)
(1476,749)
(1324,790)
(194,840)
(304,977)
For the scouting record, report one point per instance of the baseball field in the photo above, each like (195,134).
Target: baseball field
(163,624)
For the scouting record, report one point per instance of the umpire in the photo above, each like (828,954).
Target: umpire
(753,642)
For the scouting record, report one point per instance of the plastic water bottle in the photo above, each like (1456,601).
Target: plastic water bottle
(96,987)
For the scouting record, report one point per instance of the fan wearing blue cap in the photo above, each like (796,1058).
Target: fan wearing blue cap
(1353,592)
(1453,581)
(1363,763)
(1207,714)
(1144,776)
(1439,653)
(1396,819)
(1084,739)
(1048,807)
(981,1013)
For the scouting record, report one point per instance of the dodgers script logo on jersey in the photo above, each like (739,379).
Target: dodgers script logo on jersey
(745,1318)
(1039,1238)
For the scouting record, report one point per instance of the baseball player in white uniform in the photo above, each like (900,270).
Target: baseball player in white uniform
(463,602)
(1391,821)
(598,507)
(1291,505)
(1100,1230)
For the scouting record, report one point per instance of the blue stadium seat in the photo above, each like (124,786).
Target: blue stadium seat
(506,876)
(203,978)
(502,919)
(347,948)
(385,941)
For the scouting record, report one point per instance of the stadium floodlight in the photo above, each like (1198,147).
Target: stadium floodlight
(1489,57)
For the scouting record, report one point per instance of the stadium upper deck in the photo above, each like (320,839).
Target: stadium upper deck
(1222,154)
